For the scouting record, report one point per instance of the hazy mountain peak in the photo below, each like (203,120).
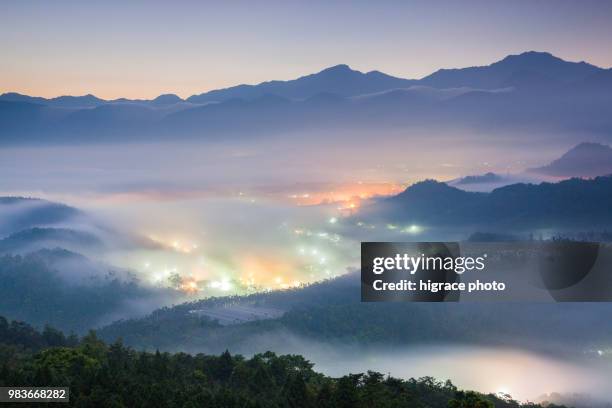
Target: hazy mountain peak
(18,97)
(497,75)
(544,60)
(339,79)
(532,56)
(13,95)
(489,177)
(590,147)
(427,188)
(167,99)
(338,68)
(583,160)
(65,101)
(541,57)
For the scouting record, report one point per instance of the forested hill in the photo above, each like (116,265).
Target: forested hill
(101,375)
(575,203)
(331,311)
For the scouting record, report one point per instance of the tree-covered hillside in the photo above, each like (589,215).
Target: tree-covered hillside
(573,204)
(332,311)
(101,375)
(68,291)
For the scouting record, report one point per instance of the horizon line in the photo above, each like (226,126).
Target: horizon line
(141,98)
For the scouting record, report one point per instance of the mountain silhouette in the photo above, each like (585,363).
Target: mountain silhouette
(340,80)
(19,213)
(489,177)
(85,101)
(166,99)
(532,90)
(584,160)
(570,203)
(37,238)
(498,74)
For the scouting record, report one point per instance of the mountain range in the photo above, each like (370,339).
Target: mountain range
(534,89)
(569,204)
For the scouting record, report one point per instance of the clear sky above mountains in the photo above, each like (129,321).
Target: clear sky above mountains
(143,49)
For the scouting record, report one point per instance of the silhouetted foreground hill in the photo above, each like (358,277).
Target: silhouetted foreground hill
(574,203)
(104,375)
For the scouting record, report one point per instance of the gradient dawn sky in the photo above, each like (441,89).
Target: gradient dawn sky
(142,49)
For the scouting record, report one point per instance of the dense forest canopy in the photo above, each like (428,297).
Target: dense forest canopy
(114,375)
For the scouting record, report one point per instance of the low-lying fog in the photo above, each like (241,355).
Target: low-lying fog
(241,210)
(522,374)
(225,215)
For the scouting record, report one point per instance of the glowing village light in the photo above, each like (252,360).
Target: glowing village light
(225,285)
(333,220)
(412,229)
(190,286)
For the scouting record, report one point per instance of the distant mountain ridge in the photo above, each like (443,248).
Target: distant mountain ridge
(530,89)
(340,80)
(583,160)
(489,177)
(502,73)
(85,101)
(344,81)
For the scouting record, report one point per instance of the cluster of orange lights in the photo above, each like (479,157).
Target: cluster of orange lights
(348,196)
(189,286)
